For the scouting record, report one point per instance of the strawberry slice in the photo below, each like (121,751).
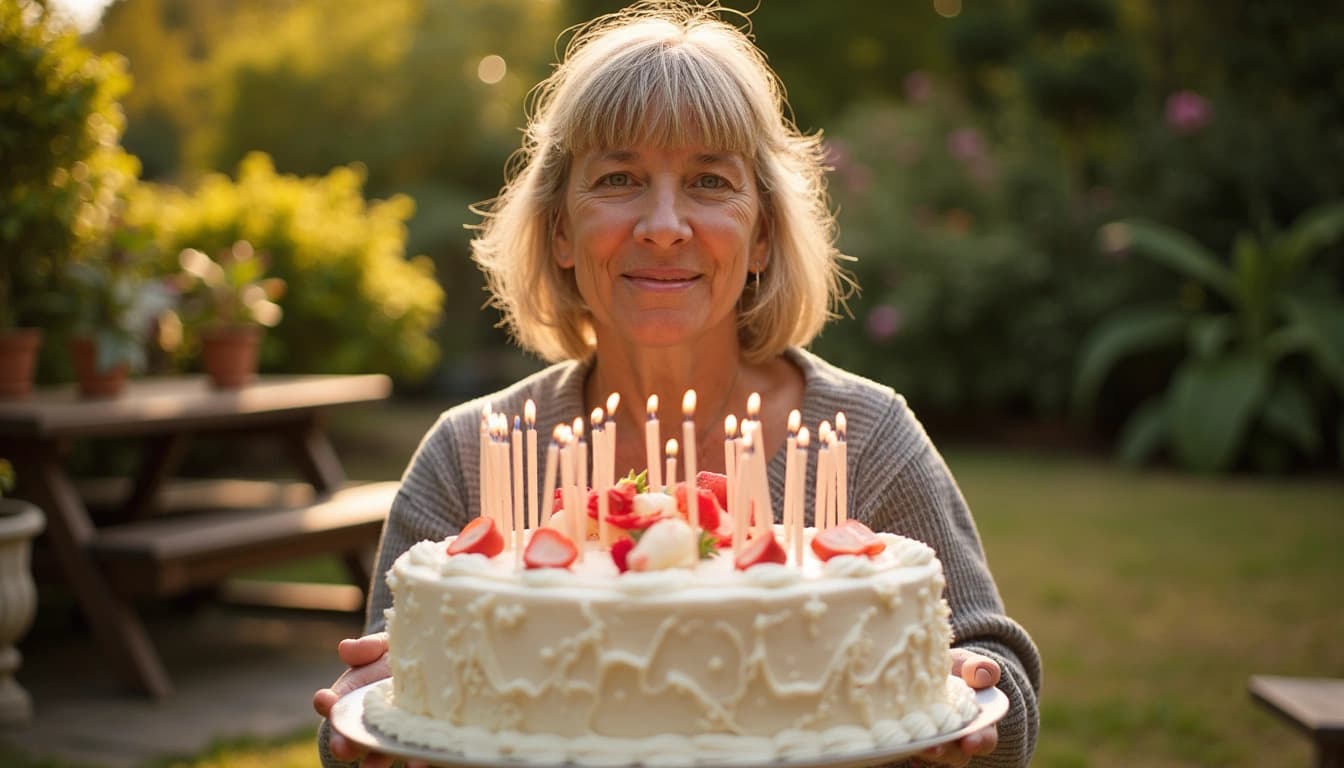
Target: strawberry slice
(710,509)
(620,551)
(549,548)
(848,538)
(481,536)
(716,484)
(763,548)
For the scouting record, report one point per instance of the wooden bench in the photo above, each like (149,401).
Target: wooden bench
(170,554)
(1314,705)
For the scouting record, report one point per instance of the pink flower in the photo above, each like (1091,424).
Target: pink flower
(1187,112)
(918,87)
(966,145)
(884,322)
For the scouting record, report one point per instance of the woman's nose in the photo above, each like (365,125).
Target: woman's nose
(662,222)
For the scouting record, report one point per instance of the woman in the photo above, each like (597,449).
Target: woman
(667,228)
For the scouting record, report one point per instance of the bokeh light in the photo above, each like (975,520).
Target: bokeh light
(492,69)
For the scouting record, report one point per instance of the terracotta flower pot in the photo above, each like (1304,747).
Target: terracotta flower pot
(230,355)
(18,361)
(92,381)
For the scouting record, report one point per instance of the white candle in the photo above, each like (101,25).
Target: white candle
(482,472)
(600,478)
(670,476)
(567,472)
(761,487)
(821,512)
(519,509)
(804,437)
(652,444)
(841,469)
(579,521)
(754,416)
(608,463)
(688,440)
(790,480)
(548,491)
(741,503)
(530,420)
(730,460)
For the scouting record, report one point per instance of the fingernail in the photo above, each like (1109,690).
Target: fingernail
(982,678)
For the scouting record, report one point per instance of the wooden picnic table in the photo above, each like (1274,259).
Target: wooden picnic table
(138,551)
(1315,705)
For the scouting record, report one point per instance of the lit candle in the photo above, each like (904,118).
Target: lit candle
(741,502)
(790,480)
(671,475)
(730,460)
(503,499)
(613,400)
(519,509)
(841,469)
(754,416)
(579,520)
(652,443)
(821,512)
(804,437)
(600,476)
(552,459)
(530,420)
(567,472)
(688,440)
(760,486)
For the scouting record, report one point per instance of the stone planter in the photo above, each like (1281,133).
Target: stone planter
(20,523)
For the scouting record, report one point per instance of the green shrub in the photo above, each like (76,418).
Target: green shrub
(1262,337)
(61,167)
(972,255)
(354,302)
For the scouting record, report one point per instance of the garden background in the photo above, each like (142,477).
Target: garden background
(1090,234)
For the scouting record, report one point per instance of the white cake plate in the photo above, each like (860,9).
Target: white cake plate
(347,717)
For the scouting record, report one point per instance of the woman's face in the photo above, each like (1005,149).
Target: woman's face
(661,240)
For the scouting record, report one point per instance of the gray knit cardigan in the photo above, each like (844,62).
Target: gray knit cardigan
(899,483)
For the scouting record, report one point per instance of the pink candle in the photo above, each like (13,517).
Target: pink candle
(651,445)
(530,419)
(688,440)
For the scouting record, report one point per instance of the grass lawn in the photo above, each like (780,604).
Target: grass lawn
(1153,597)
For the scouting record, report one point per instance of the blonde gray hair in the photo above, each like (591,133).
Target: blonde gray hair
(664,74)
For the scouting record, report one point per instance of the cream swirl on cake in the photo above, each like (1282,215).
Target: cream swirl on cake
(704,665)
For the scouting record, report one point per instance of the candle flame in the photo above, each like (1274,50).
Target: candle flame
(578,429)
(517,423)
(530,414)
(672,447)
(824,431)
(753,405)
(613,400)
(840,424)
(688,403)
(795,421)
(596,418)
(652,407)
(730,426)
(558,434)
(804,437)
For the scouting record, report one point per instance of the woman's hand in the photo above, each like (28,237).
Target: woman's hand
(367,657)
(978,672)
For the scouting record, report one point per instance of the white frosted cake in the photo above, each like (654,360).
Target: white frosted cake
(708,664)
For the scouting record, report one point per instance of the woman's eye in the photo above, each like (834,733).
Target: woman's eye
(615,180)
(711,181)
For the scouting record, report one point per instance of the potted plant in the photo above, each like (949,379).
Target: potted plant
(20,523)
(60,166)
(231,301)
(116,314)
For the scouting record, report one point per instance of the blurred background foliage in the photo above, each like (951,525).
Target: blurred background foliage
(978,149)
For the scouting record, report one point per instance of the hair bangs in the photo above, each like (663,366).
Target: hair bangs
(663,96)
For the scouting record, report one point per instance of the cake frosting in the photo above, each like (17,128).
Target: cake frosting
(703,665)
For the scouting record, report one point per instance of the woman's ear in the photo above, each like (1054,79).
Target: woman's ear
(561,249)
(760,248)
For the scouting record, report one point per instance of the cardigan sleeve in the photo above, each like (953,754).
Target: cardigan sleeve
(909,490)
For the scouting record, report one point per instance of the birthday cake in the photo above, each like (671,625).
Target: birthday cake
(709,664)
